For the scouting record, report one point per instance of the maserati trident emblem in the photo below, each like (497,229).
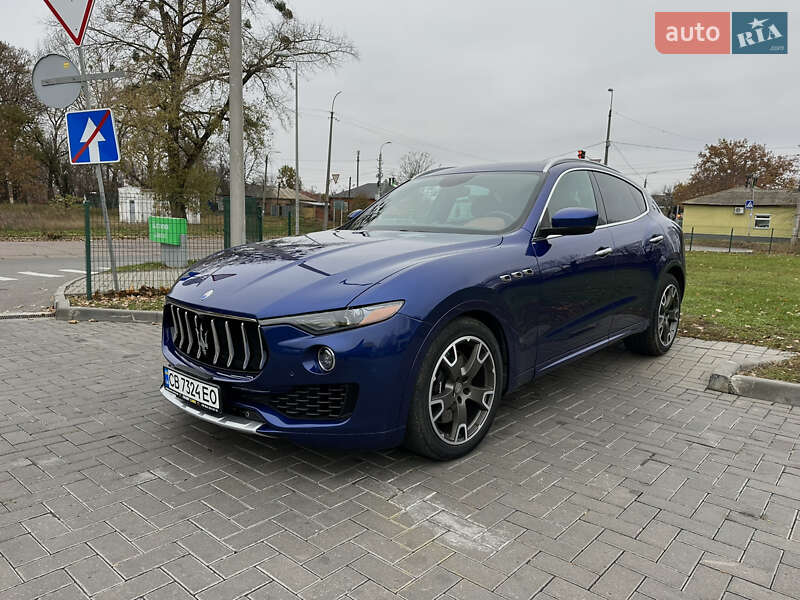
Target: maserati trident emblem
(202,338)
(207,295)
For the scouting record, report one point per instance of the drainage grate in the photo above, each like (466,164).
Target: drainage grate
(39,315)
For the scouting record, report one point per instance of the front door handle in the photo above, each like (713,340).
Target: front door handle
(655,239)
(604,252)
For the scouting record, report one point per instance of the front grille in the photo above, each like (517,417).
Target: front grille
(220,341)
(327,402)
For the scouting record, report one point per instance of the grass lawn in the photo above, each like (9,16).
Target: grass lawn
(749,298)
(50,222)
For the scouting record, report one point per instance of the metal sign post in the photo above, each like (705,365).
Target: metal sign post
(99,173)
(59,87)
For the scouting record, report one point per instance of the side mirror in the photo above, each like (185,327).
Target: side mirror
(571,221)
(354,214)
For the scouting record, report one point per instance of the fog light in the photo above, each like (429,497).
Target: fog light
(326,359)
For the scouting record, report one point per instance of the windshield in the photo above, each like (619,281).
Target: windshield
(460,202)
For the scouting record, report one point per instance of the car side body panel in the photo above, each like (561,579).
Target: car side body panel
(549,301)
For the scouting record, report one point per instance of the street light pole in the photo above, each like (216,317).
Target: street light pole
(286,54)
(236,105)
(380,167)
(608,128)
(328,173)
(358,165)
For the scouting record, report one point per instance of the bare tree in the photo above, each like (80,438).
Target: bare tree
(173,109)
(414,163)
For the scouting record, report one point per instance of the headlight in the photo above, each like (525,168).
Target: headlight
(335,320)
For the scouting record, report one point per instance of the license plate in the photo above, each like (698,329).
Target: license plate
(192,390)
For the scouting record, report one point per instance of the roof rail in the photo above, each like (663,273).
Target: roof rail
(429,171)
(557,161)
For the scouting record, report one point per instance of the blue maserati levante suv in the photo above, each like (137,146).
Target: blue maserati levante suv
(409,323)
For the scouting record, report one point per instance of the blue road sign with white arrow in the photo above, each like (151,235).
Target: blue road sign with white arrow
(92,137)
(749,204)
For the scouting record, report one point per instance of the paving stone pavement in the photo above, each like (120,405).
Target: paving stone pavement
(618,477)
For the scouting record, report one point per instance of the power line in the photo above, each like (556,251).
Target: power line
(572,150)
(377,129)
(661,129)
(625,159)
(673,149)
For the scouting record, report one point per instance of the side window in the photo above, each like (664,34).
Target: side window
(574,189)
(621,199)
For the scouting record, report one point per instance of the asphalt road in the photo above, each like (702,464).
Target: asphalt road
(30,273)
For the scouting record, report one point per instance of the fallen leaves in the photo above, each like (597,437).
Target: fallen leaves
(143,298)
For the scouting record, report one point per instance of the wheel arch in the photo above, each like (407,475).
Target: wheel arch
(481,311)
(494,325)
(677,271)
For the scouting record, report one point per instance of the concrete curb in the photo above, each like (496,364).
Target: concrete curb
(64,311)
(766,389)
(725,379)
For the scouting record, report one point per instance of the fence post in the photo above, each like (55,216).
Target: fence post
(87,224)
(771,235)
(730,242)
(289,222)
(226,222)
(260,221)
(691,239)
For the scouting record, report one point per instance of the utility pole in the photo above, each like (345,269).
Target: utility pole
(296,151)
(266,175)
(608,128)
(235,103)
(264,187)
(380,168)
(350,186)
(751,182)
(358,164)
(328,172)
(101,188)
(796,231)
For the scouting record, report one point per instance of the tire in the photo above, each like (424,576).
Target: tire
(454,404)
(654,341)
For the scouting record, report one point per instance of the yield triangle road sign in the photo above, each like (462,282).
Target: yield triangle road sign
(73,16)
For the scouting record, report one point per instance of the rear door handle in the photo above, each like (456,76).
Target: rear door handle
(604,252)
(655,239)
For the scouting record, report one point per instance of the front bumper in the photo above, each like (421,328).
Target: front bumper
(377,360)
(223,420)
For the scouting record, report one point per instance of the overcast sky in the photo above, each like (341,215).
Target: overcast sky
(484,81)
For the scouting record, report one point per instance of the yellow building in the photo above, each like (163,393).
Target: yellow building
(773,213)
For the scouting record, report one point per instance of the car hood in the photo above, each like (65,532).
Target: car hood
(318,271)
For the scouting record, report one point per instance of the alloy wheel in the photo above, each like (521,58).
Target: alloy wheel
(669,312)
(462,390)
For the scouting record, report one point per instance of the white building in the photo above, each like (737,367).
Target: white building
(137,205)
